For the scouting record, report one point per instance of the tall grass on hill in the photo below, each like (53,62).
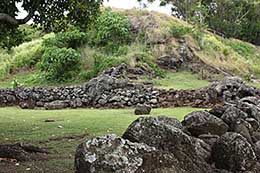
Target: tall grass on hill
(21,57)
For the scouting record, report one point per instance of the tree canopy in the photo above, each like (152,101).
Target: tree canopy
(49,13)
(233,18)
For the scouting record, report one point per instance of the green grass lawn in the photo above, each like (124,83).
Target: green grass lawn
(180,80)
(28,126)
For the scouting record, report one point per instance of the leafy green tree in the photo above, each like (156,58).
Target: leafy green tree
(48,13)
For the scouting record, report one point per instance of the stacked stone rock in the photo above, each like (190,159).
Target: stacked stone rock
(225,139)
(112,89)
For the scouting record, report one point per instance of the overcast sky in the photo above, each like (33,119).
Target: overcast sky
(125,4)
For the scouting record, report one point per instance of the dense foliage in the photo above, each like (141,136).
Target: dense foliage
(60,63)
(53,15)
(70,39)
(111,28)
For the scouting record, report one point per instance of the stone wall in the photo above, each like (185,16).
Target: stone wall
(112,90)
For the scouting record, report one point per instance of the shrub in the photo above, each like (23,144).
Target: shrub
(179,31)
(146,58)
(31,32)
(102,63)
(60,63)
(111,27)
(68,39)
(242,48)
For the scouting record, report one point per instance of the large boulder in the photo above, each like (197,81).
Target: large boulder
(97,86)
(170,62)
(229,83)
(143,126)
(109,154)
(202,122)
(232,114)
(191,154)
(233,88)
(252,110)
(218,110)
(233,152)
(143,109)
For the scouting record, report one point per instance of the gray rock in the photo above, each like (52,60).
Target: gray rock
(102,102)
(143,109)
(256,136)
(252,110)
(11,99)
(76,103)
(257,150)
(109,154)
(244,128)
(218,110)
(251,100)
(232,114)
(202,122)
(190,155)
(233,152)
(229,83)
(55,105)
(209,139)
(170,62)
(154,101)
(253,123)
(103,83)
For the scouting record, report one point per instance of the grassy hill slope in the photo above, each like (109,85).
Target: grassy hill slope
(153,35)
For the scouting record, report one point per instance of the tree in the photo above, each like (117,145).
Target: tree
(233,18)
(48,13)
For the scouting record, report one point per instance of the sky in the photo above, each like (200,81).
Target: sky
(124,4)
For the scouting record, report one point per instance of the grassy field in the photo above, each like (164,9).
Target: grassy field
(180,80)
(28,126)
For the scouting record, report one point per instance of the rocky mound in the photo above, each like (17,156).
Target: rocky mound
(224,139)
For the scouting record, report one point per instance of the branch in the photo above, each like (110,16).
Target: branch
(7,18)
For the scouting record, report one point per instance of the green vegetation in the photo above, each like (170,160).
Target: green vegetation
(60,63)
(179,31)
(20,58)
(51,15)
(234,18)
(111,29)
(180,80)
(28,126)
(73,38)
(103,47)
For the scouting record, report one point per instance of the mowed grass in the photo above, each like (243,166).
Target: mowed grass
(28,126)
(181,80)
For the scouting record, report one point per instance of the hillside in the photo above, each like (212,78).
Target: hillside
(158,42)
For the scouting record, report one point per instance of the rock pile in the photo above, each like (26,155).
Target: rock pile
(225,139)
(112,89)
